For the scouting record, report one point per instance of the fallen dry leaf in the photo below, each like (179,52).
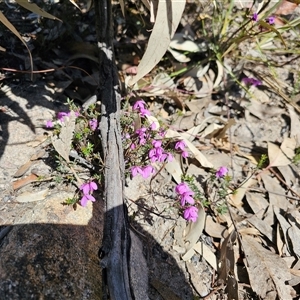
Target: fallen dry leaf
(295,123)
(23,169)
(257,202)
(38,140)
(32,196)
(286,8)
(174,168)
(294,233)
(237,197)
(262,226)
(167,19)
(207,254)
(268,272)
(275,191)
(215,229)
(227,266)
(24,181)
(276,156)
(288,147)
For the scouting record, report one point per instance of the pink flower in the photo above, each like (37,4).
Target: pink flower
(185,193)
(182,188)
(93,124)
(142,135)
(166,156)
(136,170)
(84,200)
(191,213)
(155,154)
(49,124)
(156,143)
(187,197)
(147,171)
(162,133)
(271,20)
(222,171)
(144,112)
(255,17)
(61,115)
(184,154)
(141,132)
(251,81)
(139,105)
(180,145)
(88,188)
(153,126)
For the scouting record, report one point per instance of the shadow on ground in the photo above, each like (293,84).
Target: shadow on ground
(58,261)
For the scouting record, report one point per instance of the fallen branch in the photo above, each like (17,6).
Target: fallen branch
(116,254)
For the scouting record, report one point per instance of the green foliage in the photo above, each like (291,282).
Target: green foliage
(262,163)
(87,149)
(296,159)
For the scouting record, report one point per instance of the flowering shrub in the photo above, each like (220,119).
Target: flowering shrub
(190,197)
(146,145)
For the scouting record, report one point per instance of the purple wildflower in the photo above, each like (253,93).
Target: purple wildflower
(153,126)
(147,171)
(162,133)
(166,156)
(185,193)
(93,124)
(61,115)
(49,124)
(251,81)
(191,213)
(88,187)
(155,154)
(222,171)
(180,145)
(187,197)
(138,105)
(144,112)
(255,17)
(184,154)
(84,200)
(142,135)
(181,188)
(136,170)
(156,144)
(271,20)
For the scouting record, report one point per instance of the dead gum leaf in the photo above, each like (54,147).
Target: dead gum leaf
(24,181)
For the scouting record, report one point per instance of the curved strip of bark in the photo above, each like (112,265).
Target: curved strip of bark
(116,238)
